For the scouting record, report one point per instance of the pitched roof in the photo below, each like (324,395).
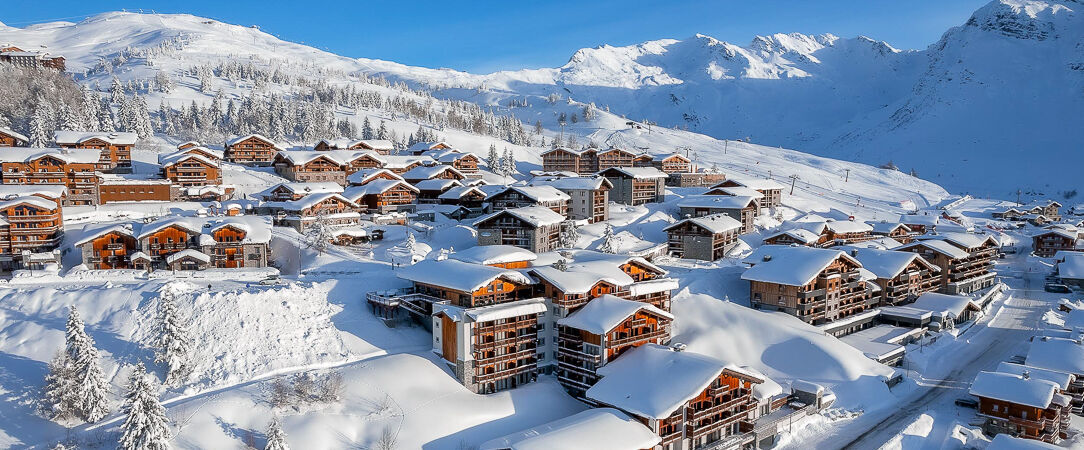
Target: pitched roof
(962,240)
(312,187)
(791,266)
(493,254)
(576,183)
(714,223)
(53,191)
(716,201)
(363,176)
(31,200)
(239,139)
(944,303)
(939,246)
(1062,355)
(311,200)
(188,253)
(887,227)
(1062,379)
(640,173)
(12,133)
(592,429)
(759,184)
(437,184)
(1014,389)
(888,264)
(458,275)
(182,156)
(604,313)
(536,216)
(799,234)
(27,154)
(459,192)
(378,186)
(424,172)
(78,137)
(540,194)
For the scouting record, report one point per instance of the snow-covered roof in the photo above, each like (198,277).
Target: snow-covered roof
(738,190)
(185,155)
(536,216)
(24,154)
(309,201)
(424,172)
(402,161)
(760,184)
(580,277)
(349,231)
(593,429)
(458,275)
(494,254)
(498,311)
(1060,232)
(604,313)
(92,232)
(437,184)
(653,381)
(257,228)
(939,246)
(886,227)
(239,139)
(419,146)
(799,234)
(791,266)
(313,187)
(378,186)
(363,176)
(714,223)
(888,264)
(1006,442)
(665,156)
(1062,379)
(962,240)
(640,173)
(12,133)
(299,157)
(716,201)
(920,219)
(65,137)
(568,150)
(139,255)
(53,191)
(188,253)
(540,194)
(31,200)
(1014,389)
(459,192)
(576,183)
(940,304)
(1062,355)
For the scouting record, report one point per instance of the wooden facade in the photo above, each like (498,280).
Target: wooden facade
(251,149)
(580,352)
(55,168)
(33,224)
(1048,242)
(318,169)
(191,170)
(113,191)
(836,292)
(115,156)
(961,273)
(9,138)
(692,240)
(110,250)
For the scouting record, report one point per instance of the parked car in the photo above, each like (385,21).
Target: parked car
(271,281)
(1057,288)
(967,402)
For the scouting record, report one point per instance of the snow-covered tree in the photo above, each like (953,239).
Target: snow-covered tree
(105,118)
(173,345)
(561,265)
(86,371)
(589,112)
(164,83)
(609,243)
(39,133)
(492,159)
(70,119)
(116,91)
(146,426)
(60,391)
(382,132)
(276,438)
(569,235)
(366,129)
(321,233)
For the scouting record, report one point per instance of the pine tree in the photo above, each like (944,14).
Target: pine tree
(509,166)
(116,91)
(146,426)
(39,135)
(165,84)
(276,438)
(69,120)
(105,118)
(366,129)
(538,127)
(60,390)
(173,344)
(382,132)
(91,388)
(569,235)
(492,160)
(609,243)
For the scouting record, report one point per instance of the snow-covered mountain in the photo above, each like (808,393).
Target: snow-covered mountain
(972,112)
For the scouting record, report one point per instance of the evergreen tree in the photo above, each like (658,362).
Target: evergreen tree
(509,168)
(492,160)
(569,235)
(276,438)
(609,243)
(39,135)
(173,344)
(382,132)
(366,129)
(69,119)
(538,127)
(165,84)
(105,118)
(91,388)
(60,390)
(146,426)
(116,91)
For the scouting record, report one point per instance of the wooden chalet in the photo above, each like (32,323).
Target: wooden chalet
(1021,406)
(583,162)
(429,190)
(34,224)
(116,147)
(744,209)
(614,157)
(1067,382)
(601,332)
(502,256)
(285,192)
(465,162)
(594,274)
(330,209)
(966,260)
(383,196)
(1047,208)
(920,223)
(310,166)
(534,228)
(1056,238)
(897,231)
(795,236)
(813,284)
(636,185)
(770,189)
(470,197)
(524,196)
(73,169)
(400,165)
(421,147)
(709,405)
(840,232)
(431,172)
(31,59)
(362,176)
(381,146)
(191,169)
(589,197)
(9,138)
(669,163)
(902,276)
(109,247)
(705,238)
(251,149)
(183,243)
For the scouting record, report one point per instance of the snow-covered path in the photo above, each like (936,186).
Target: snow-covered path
(950,373)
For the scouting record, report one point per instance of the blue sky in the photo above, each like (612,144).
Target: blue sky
(484,36)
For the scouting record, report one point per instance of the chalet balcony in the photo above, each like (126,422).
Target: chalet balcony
(530,325)
(507,341)
(812,294)
(485,377)
(660,333)
(743,399)
(525,353)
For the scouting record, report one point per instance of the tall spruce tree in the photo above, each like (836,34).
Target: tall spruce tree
(609,243)
(146,426)
(91,389)
(276,438)
(39,133)
(60,391)
(173,344)
(493,160)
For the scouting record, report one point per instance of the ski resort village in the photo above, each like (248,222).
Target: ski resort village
(211,237)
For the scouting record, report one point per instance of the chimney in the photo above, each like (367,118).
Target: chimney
(854,253)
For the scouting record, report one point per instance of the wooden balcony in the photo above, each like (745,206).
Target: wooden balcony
(506,373)
(659,333)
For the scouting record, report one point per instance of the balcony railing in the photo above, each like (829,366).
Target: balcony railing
(481,378)
(638,338)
